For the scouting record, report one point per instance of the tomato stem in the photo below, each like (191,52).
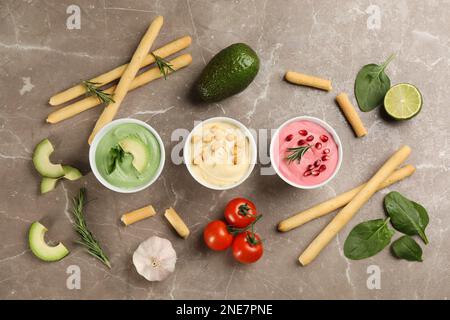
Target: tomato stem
(234,231)
(244,210)
(251,239)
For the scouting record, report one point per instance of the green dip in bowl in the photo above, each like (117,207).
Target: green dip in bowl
(127,155)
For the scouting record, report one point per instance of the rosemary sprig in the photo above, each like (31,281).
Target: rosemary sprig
(297,153)
(87,239)
(93,89)
(163,65)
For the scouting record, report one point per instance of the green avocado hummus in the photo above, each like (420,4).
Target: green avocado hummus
(128,156)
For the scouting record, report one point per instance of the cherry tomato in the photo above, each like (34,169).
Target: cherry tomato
(247,247)
(216,235)
(240,212)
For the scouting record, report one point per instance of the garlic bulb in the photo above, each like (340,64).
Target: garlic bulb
(155,259)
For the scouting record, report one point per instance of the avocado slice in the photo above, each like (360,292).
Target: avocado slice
(139,151)
(229,72)
(42,163)
(40,248)
(71,173)
(48,184)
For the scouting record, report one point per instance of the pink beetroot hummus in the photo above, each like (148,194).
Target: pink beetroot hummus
(317,164)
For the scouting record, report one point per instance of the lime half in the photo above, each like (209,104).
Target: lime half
(403,101)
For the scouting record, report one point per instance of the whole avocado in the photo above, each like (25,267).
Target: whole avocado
(229,72)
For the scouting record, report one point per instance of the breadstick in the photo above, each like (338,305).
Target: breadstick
(128,76)
(138,215)
(306,80)
(351,115)
(346,213)
(103,79)
(177,223)
(90,102)
(339,201)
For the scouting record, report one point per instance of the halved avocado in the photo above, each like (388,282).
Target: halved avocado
(40,248)
(139,151)
(42,163)
(71,173)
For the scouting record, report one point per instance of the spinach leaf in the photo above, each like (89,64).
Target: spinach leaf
(367,239)
(407,248)
(423,215)
(407,216)
(371,85)
(116,154)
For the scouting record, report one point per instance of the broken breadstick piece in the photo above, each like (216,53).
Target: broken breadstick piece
(349,211)
(138,215)
(309,81)
(351,115)
(177,223)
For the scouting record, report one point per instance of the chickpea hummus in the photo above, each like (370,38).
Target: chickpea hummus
(220,153)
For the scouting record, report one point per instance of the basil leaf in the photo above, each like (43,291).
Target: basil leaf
(407,216)
(367,239)
(407,248)
(116,154)
(371,85)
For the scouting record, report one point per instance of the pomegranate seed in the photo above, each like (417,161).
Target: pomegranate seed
(289,137)
(324,138)
(326,151)
(310,167)
(307,173)
(310,138)
(301,142)
(303,132)
(315,173)
(317,163)
(322,168)
(325,157)
(318,146)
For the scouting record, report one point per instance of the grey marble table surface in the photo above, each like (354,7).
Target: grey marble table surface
(43,51)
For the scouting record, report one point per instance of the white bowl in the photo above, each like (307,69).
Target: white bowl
(324,125)
(99,136)
(252,145)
